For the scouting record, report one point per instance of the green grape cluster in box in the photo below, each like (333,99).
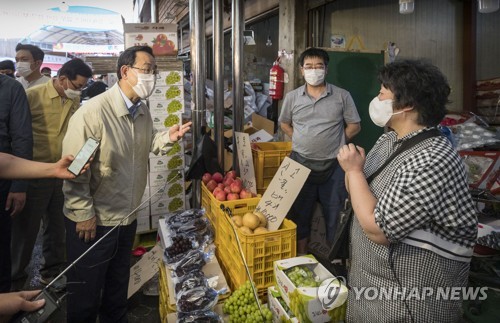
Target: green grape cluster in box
(281,312)
(300,282)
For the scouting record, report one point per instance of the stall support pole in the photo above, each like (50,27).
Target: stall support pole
(197,43)
(238,25)
(218,50)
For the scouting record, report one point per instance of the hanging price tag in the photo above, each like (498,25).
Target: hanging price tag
(282,192)
(245,161)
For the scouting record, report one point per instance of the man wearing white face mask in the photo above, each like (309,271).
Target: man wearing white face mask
(320,118)
(29,59)
(51,104)
(113,186)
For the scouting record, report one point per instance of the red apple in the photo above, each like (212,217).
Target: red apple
(232,196)
(211,185)
(227,189)
(221,196)
(221,186)
(217,190)
(245,194)
(236,187)
(217,177)
(231,174)
(206,178)
(228,181)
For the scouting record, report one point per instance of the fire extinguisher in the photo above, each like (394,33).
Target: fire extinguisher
(276,81)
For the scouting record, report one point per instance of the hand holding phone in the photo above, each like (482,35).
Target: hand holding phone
(83,156)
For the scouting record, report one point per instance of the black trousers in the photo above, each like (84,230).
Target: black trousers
(98,284)
(5,237)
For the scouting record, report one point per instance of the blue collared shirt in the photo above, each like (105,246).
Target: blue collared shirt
(132,108)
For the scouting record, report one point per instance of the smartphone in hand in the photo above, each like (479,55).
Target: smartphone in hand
(83,156)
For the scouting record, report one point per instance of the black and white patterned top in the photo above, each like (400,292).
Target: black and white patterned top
(422,189)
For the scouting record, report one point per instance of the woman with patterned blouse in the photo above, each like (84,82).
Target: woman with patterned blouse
(415,224)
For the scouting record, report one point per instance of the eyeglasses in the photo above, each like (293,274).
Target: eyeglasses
(146,70)
(316,67)
(77,88)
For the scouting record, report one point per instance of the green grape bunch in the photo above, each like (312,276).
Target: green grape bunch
(172,92)
(302,276)
(171,120)
(175,204)
(242,307)
(173,175)
(176,148)
(174,106)
(174,190)
(173,78)
(175,162)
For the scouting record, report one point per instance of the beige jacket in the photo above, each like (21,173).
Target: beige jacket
(115,182)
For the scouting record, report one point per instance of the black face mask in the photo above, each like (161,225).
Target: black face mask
(11,75)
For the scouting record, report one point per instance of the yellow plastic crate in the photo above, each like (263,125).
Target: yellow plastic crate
(212,207)
(260,251)
(266,161)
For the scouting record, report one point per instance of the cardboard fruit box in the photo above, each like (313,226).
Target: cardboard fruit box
(280,314)
(307,302)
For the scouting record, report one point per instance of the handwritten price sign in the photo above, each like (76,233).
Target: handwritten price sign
(282,192)
(144,269)
(245,161)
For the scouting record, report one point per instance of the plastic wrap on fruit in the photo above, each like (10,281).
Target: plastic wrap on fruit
(199,317)
(180,245)
(197,299)
(191,280)
(193,260)
(198,226)
(184,216)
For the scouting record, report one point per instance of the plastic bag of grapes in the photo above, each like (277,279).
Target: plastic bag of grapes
(197,299)
(205,317)
(184,216)
(180,245)
(191,280)
(193,260)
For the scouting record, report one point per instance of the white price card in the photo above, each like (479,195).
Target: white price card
(282,192)
(144,269)
(245,161)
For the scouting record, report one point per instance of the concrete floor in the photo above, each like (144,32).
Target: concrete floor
(142,308)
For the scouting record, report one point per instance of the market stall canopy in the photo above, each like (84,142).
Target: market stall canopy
(78,29)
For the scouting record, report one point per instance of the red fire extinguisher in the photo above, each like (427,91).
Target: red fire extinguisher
(276,81)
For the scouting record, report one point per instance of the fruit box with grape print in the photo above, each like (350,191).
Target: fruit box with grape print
(298,280)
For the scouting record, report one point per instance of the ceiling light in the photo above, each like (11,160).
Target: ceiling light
(488,6)
(406,6)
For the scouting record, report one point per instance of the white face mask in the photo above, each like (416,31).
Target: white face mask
(72,94)
(145,85)
(24,68)
(381,111)
(314,77)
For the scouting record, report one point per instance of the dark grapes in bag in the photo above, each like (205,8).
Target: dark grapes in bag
(199,317)
(198,226)
(181,244)
(185,216)
(197,299)
(191,280)
(193,260)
